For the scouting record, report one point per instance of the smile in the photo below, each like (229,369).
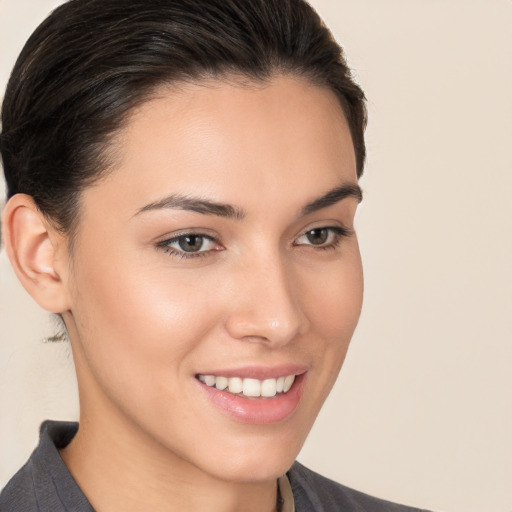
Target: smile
(248,387)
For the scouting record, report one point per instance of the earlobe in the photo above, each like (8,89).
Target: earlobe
(34,249)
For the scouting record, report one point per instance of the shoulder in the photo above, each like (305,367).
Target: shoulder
(44,484)
(313,492)
(18,494)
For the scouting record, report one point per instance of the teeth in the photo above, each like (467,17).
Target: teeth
(209,380)
(252,387)
(235,385)
(249,387)
(269,387)
(221,383)
(288,383)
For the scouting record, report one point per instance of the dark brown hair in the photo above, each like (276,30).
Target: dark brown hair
(92,61)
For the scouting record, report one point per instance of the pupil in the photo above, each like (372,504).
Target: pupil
(191,243)
(317,236)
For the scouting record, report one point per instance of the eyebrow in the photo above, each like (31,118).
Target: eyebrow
(207,207)
(195,204)
(334,196)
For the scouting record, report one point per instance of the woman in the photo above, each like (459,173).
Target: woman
(182,180)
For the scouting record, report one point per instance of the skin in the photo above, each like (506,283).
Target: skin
(144,321)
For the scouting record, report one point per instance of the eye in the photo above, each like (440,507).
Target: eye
(323,237)
(189,245)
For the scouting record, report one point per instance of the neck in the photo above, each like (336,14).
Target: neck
(120,469)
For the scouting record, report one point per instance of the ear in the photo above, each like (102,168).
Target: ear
(37,252)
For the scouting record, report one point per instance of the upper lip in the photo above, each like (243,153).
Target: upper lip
(259,372)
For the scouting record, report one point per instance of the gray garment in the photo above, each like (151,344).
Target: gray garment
(44,484)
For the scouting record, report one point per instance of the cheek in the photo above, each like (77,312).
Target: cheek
(333,306)
(334,298)
(134,326)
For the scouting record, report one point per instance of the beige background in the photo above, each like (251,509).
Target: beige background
(423,411)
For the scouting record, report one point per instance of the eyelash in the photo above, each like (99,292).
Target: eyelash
(165,245)
(337,232)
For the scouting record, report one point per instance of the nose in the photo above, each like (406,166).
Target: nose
(266,307)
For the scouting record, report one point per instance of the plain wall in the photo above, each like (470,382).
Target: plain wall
(422,412)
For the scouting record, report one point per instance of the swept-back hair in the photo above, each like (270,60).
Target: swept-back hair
(92,61)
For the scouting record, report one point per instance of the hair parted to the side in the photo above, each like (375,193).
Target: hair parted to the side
(92,61)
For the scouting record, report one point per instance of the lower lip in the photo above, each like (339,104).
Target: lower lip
(257,410)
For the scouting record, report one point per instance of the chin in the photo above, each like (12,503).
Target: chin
(247,471)
(259,460)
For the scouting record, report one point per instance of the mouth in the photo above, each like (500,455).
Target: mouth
(255,395)
(249,387)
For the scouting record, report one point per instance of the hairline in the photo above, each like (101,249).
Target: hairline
(237,77)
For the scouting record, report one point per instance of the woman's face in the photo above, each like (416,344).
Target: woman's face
(219,251)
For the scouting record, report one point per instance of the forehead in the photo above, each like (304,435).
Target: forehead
(233,142)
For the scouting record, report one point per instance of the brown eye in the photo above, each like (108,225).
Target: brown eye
(317,236)
(327,237)
(191,243)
